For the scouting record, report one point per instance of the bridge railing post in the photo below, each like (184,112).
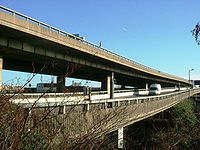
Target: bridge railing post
(64,109)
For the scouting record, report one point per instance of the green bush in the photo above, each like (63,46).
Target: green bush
(33,141)
(183,114)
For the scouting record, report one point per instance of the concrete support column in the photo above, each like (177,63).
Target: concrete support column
(1,69)
(60,84)
(105,84)
(108,85)
(120,137)
(112,86)
(147,87)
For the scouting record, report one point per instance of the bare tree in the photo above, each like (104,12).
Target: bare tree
(47,128)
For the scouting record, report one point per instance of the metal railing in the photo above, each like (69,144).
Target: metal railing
(39,23)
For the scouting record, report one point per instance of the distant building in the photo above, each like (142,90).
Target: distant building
(46,87)
(76,83)
(51,87)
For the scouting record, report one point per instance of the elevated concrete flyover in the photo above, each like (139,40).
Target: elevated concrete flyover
(97,117)
(29,45)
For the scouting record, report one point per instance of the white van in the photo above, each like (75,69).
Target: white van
(155,89)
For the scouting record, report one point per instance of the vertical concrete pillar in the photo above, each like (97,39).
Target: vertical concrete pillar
(1,69)
(120,137)
(60,84)
(179,86)
(108,85)
(112,86)
(105,84)
(147,87)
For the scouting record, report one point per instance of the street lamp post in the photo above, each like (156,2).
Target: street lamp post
(189,75)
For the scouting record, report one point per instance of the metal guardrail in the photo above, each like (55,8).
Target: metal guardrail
(39,23)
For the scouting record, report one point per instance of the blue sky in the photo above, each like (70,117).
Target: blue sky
(155,33)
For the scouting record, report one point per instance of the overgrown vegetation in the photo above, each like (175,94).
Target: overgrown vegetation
(46,128)
(176,129)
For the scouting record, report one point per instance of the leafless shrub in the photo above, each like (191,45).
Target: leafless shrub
(49,128)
